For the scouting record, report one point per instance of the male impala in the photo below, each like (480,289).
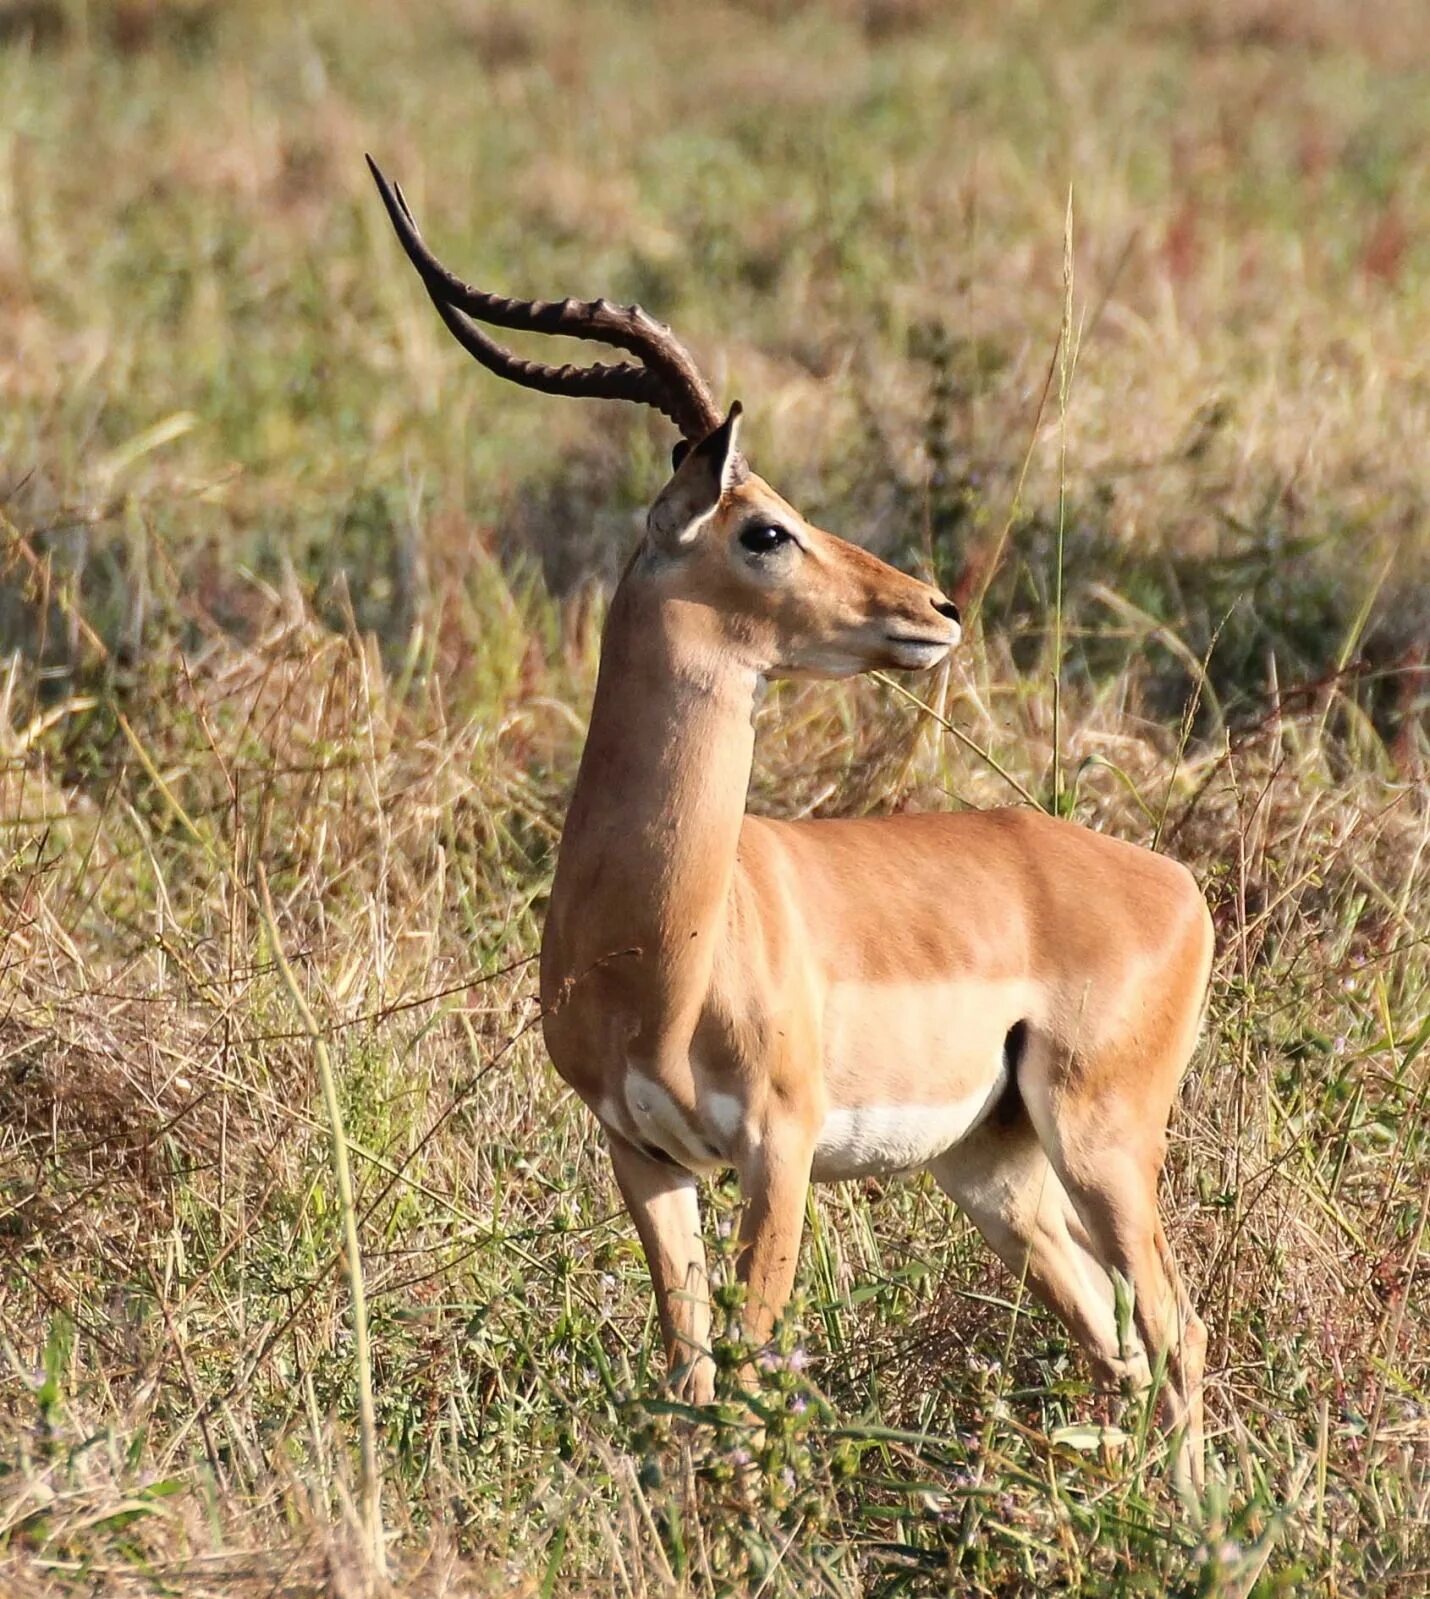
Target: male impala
(1003,998)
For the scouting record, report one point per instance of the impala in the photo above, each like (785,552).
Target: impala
(1003,998)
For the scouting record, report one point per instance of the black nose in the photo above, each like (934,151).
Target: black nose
(946,608)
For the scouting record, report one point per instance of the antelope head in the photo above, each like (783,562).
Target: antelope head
(783,596)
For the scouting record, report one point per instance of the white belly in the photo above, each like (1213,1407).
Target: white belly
(911,1070)
(878,1140)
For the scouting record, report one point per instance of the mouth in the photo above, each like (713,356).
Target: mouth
(917,652)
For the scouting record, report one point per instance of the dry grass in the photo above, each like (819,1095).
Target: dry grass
(287,585)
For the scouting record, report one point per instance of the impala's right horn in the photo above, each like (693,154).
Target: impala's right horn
(664,375)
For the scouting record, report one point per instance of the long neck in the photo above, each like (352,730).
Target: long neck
(648,851)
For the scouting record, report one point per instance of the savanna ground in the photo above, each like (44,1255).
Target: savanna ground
(292,594)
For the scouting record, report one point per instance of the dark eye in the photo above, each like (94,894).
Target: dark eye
(764,537)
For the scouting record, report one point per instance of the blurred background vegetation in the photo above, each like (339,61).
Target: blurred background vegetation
(287,583)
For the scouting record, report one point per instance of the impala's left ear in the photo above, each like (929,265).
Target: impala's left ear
(703,473)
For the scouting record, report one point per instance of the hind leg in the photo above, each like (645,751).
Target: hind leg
(1193,1345)
(1003,1182)
(1109,1161)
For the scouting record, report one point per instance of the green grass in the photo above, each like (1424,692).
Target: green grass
(288,584)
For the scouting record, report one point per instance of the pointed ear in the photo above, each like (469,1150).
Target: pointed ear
(702,475)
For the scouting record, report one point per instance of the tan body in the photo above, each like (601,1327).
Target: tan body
(1007,1000)
(1003,998)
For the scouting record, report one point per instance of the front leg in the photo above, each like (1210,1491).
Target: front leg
(665,1206)
(774,1176)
